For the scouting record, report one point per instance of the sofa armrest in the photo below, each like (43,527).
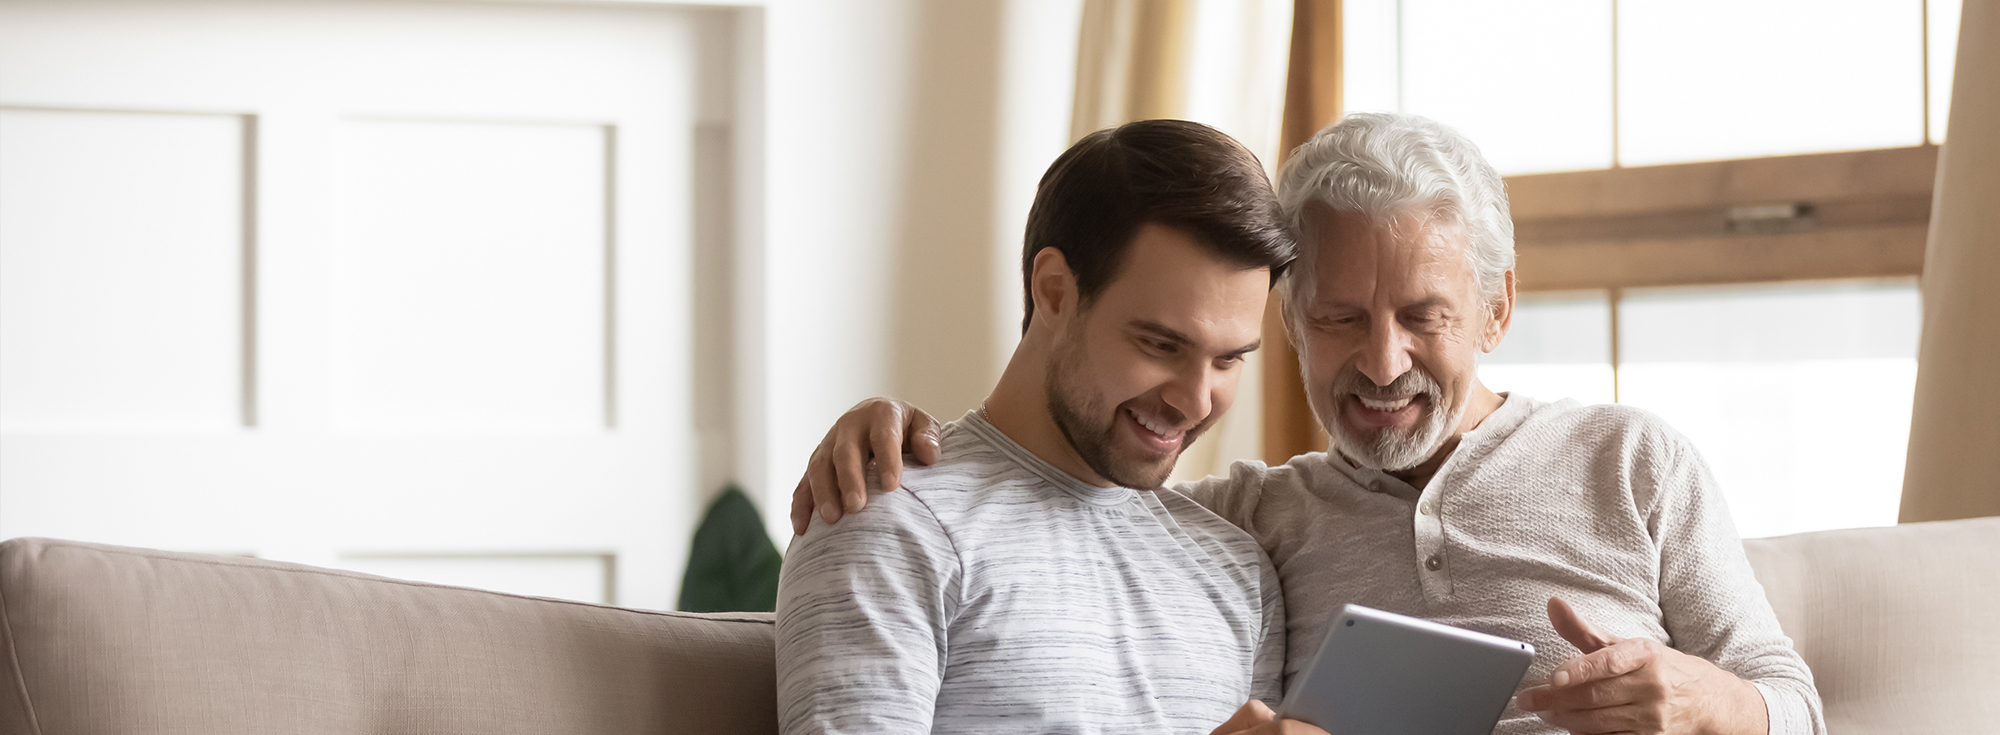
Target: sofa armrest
(1896,622)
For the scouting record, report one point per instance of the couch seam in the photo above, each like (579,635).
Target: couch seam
(358,576)
(14,661)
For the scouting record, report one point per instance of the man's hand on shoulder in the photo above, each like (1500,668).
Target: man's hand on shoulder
(1638,685)
(836,479)
(1255,718)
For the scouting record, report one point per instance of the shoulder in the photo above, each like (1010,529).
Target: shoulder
(1623,447)
(1247,481)
(970,472)
(1608,428)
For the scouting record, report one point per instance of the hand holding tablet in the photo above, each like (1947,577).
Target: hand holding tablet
(1379,673)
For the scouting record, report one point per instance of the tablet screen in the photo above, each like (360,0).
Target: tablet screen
(1387,674)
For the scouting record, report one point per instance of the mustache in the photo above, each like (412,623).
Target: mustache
(1410,383)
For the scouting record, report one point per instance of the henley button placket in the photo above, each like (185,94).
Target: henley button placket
(1429,527)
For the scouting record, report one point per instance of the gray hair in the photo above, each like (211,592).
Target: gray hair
(1383,164)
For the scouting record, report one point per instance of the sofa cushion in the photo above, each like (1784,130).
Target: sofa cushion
(100,640)
(1896,622)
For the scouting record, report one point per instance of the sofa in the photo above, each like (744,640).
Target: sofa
(1898,624)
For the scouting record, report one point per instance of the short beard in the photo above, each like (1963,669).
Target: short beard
(1391,450)
(1094,440)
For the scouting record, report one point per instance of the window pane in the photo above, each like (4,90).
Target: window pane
(1798,396)
(1528,80)
(1558,347)
(1368,49)
(1943,22)
(1713,79)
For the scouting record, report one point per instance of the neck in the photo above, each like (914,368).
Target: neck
(1481,404)
(1019,408)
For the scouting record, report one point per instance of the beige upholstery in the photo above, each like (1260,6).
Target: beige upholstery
(102,640)
(1897,624)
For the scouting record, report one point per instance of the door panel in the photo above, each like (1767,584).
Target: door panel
(392,282)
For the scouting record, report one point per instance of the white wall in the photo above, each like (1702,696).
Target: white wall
(904,142)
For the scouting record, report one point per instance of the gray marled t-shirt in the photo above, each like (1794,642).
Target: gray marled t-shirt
(998,594)
(1604,506)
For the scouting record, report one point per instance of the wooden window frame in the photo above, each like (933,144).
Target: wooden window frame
(1864,214)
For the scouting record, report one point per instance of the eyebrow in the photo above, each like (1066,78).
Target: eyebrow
(1175,336)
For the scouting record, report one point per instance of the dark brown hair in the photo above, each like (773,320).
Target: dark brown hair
(1184,175)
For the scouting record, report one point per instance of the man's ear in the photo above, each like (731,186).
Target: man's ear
(1502,311)
(1053,286)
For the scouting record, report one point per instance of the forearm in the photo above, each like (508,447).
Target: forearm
(1739,709)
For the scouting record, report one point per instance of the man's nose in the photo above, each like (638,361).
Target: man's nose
(1387,355)
(1191,390)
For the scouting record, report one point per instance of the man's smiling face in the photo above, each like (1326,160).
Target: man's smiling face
(1153,361)
(1392,321)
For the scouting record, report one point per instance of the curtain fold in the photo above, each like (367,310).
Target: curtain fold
(1312,101)
(1953,465)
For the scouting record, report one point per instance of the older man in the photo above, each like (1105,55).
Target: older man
(1444,500)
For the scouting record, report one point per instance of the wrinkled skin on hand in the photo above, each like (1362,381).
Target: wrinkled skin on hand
(1640,686)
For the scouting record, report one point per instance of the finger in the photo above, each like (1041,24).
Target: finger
(1251,714)
(1622,718)
(802,507)
(825,492)
(1620,658)
(850,470)
(1633,688)
(1294,727)
(921,434)
(1573,628)
(886,442)
(1532,699)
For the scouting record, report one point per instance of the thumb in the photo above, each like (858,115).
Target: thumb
(1572,627)
(921,436)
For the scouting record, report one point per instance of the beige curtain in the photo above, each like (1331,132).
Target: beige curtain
(1131,62)
(1953,468)
(1220,62)
(1312,101)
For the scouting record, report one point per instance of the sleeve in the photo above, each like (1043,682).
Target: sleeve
(863,610)
(1234,497)
(1267,672)
(1711,604)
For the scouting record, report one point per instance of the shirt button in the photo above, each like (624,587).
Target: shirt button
(1434,563)
(1429,508)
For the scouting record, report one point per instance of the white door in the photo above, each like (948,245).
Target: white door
(398,287)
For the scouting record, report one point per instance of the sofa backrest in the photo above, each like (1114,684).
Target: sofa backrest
(1897,623)
(99,640)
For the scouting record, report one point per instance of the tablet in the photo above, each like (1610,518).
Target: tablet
(1379,673)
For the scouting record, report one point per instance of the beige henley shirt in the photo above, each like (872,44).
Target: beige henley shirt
(1605,506)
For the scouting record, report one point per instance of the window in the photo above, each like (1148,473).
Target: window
(1559,347)
(1566,85)
(1797,394)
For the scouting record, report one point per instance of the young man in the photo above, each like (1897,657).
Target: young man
(1035,578)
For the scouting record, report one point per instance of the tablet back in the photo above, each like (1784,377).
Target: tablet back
(1379,673)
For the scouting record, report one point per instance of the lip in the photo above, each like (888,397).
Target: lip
(1150,442)
(1364,417)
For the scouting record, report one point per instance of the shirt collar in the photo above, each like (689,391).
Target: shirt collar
(1013,450)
